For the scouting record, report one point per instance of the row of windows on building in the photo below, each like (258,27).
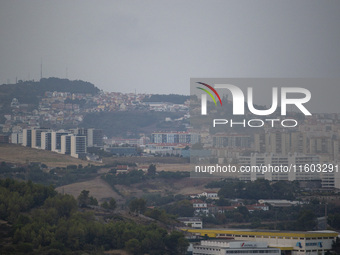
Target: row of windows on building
(175,138)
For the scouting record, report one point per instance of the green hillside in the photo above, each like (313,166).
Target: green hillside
(29,92)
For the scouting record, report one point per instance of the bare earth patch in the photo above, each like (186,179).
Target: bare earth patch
(18,154)
(98,188)
(174,167)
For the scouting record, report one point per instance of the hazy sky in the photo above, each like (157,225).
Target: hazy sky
(156,46)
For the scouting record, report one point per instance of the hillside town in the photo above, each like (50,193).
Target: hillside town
(65,108)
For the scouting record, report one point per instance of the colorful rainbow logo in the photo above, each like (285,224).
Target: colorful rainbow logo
(209,93)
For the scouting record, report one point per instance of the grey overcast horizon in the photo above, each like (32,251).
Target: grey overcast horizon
(157,46)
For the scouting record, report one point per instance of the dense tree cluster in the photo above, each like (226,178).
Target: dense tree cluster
(84,199)
(259,189)
(137,205)
(138,176)
(57,177)
(173,175)
(156,199)
(111,205)
(134,176)
(152,170)
(161,215)
(334,220)
(117,123)
(44,222)
(181,208)
(17,197)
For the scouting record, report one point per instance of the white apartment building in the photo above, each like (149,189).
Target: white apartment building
(46,140)
(78,146)
(27,137)
(17,138)
(209,195)
(200,207)
(331,179)
(66,144)
(56,140)
(59,141)
(256,162)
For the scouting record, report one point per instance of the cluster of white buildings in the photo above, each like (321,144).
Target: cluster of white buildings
(171,142)
(205,208)
(308,152)
(290,167)
(167,107)
(174,137)
(72,142)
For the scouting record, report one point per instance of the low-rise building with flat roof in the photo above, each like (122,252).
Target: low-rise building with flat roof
(289,242)
(223,247)
(192,222)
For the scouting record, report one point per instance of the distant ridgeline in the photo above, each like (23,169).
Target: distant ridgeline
(27,92)
(137,118)
(172,98)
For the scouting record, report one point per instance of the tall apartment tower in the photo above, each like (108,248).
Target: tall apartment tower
(78,146)
(27,137)
(94,137)
(281,143)
(46,141)
(56,140)
(79,131)
(36,137)
(17,138)
(66,144)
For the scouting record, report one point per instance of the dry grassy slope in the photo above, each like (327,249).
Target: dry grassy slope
(19,154)
(98,188)
(101,190)
(165,187)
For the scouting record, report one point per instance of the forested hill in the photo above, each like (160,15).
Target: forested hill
(35,219)
(28,91)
